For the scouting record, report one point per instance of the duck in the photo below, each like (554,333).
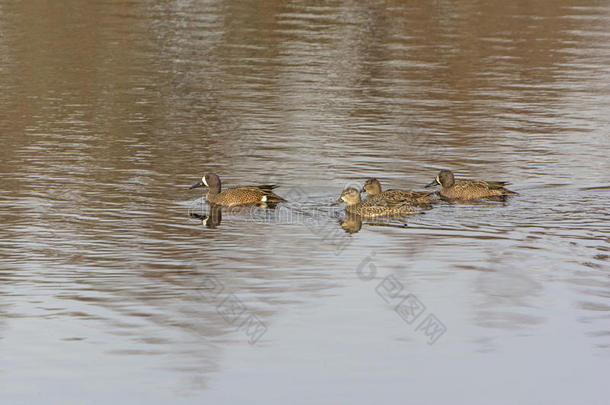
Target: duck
(468,189)
(356,206)
(372,187)
(236,196)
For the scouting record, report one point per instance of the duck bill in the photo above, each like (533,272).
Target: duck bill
(198,184)
(339,201)
(434,183)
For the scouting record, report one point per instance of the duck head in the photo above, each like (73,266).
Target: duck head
(210,180)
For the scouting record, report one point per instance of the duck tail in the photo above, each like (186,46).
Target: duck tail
(496,185)
(267,187)
(272,197)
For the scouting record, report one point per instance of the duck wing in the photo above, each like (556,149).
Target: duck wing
(264,187)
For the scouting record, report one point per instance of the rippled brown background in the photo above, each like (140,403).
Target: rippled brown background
(109,110)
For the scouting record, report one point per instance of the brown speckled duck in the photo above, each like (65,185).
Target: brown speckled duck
(235,196)
(365,209)
(374,194)
(468,189)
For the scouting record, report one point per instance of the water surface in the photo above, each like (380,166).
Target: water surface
(111,291)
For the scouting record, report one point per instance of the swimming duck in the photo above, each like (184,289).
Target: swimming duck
(234,196)
(374,194)
(365,209)
(468,189)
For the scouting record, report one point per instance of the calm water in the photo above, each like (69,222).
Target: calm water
(111,291)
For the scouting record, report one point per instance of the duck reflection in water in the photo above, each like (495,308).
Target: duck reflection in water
(351,223)
(212,219)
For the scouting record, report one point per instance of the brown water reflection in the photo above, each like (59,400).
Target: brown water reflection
(108,110)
